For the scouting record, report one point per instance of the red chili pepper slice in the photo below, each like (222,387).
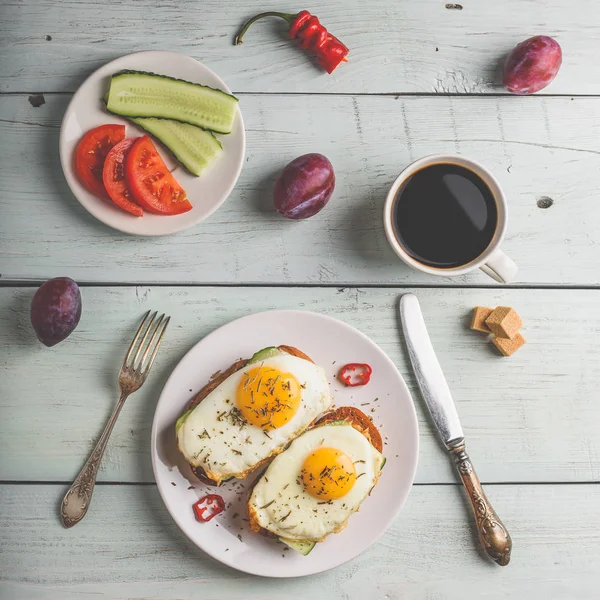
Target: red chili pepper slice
(354,374)
(212,504)
(311,35)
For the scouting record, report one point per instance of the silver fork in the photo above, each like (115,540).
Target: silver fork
(134,370)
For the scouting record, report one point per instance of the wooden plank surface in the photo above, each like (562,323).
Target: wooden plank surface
(532,417)
(531,421)
(537,147)
(396,46)
(128,547)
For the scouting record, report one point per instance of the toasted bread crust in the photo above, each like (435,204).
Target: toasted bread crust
(203,477)
(200,473)
(358,420)
(295,352)
(214,384)
(350,414)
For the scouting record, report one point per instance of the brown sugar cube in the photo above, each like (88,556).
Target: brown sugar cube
(480,314)
(504,322)
(508,347)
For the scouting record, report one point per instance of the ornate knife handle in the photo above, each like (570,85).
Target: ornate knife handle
(492,532)
(77,500)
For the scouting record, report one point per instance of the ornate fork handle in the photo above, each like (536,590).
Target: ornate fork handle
(77,500)
(493,534)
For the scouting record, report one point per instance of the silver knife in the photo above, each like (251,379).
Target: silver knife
(436,393)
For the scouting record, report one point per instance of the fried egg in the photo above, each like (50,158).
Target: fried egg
(253,415)
(311,489)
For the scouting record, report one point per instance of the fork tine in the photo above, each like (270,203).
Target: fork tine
(151,342)
(143,341)
(135,339)
(155,351)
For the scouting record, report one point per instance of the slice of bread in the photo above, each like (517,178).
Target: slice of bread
(215,383)
(351,415)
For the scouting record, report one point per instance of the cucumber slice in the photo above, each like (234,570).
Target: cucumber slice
(383,463)
(265,353)
(139,94)
(303,547)
(193,147)
(181,419)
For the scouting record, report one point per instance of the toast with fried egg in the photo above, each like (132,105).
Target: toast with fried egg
(312,488)
(250,413)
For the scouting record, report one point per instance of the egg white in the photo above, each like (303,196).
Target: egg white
(279,502)
(227,446)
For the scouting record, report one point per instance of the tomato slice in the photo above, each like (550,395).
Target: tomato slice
(150,182)
(91,152)
(113,175)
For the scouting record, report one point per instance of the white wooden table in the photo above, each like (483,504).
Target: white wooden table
(422,78)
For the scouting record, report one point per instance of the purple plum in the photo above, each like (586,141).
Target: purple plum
(304,186)
(55,310)
(532,65)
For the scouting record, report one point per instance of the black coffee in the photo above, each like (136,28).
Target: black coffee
(444,216)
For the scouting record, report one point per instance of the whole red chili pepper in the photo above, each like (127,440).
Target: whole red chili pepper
(212,504)
(354,374)
(311,35)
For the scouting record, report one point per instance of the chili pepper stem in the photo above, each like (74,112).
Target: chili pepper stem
(286,16)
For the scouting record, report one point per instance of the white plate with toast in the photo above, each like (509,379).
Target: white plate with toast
(330,344)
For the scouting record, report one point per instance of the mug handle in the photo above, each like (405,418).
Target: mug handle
(500,267)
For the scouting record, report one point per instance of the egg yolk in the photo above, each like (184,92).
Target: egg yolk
(268,398)
(328,474)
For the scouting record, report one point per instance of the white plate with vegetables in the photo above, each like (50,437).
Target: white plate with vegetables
(152,143)
(331,344)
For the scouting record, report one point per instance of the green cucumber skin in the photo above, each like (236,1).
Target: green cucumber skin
(214,137)
(167,112)
(304,548)
(181,419)
(132,72)
(152,126)
(264,354)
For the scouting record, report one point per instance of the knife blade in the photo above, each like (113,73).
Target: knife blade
(493,535)
(428,372)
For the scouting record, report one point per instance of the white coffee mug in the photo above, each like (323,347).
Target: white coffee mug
(492,261)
